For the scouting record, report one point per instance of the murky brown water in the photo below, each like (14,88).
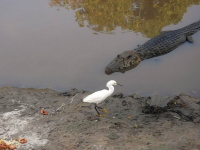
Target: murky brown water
(62,44)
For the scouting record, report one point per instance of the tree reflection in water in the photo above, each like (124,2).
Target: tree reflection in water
(145,16)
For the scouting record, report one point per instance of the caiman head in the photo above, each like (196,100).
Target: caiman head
(123,62)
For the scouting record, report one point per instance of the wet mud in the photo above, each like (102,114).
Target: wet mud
(133,122)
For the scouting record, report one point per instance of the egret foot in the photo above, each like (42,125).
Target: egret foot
(104,110)
(101,115)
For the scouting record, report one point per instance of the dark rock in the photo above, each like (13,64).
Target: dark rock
(118,95)
(186,107)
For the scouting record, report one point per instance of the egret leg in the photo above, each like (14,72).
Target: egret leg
(98,111)
(103,109)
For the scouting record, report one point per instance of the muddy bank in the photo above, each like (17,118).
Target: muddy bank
(132,123)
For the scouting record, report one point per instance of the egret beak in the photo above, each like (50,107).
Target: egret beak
(119,84)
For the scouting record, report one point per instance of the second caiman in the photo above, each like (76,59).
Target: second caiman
(157,46)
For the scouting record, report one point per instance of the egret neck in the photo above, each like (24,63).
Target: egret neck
(110,89)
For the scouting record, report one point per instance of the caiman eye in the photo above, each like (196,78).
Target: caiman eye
(118,56)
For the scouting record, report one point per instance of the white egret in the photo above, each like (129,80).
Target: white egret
(100,96)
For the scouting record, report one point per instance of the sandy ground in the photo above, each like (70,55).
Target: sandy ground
(132,123)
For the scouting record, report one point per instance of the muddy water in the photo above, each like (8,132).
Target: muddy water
(66,44)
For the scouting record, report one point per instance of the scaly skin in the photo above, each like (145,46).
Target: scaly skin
(157,46)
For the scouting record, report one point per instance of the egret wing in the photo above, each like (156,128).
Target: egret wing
(96,97)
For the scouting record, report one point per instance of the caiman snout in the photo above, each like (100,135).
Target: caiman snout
(108,71)
(123,62)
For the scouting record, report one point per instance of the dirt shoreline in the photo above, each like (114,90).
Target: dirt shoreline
(133,122)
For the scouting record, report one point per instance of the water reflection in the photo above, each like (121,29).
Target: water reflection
(145,16)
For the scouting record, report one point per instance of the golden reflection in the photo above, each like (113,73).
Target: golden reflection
(145,16)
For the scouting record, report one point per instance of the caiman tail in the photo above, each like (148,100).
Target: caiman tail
(190,29)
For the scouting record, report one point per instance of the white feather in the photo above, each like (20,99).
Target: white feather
(100,96)
(96,97)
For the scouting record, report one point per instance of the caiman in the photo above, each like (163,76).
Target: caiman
(157,46)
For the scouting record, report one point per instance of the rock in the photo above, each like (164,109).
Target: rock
(135,96)
(185,106)
(118,95)
(159,101)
